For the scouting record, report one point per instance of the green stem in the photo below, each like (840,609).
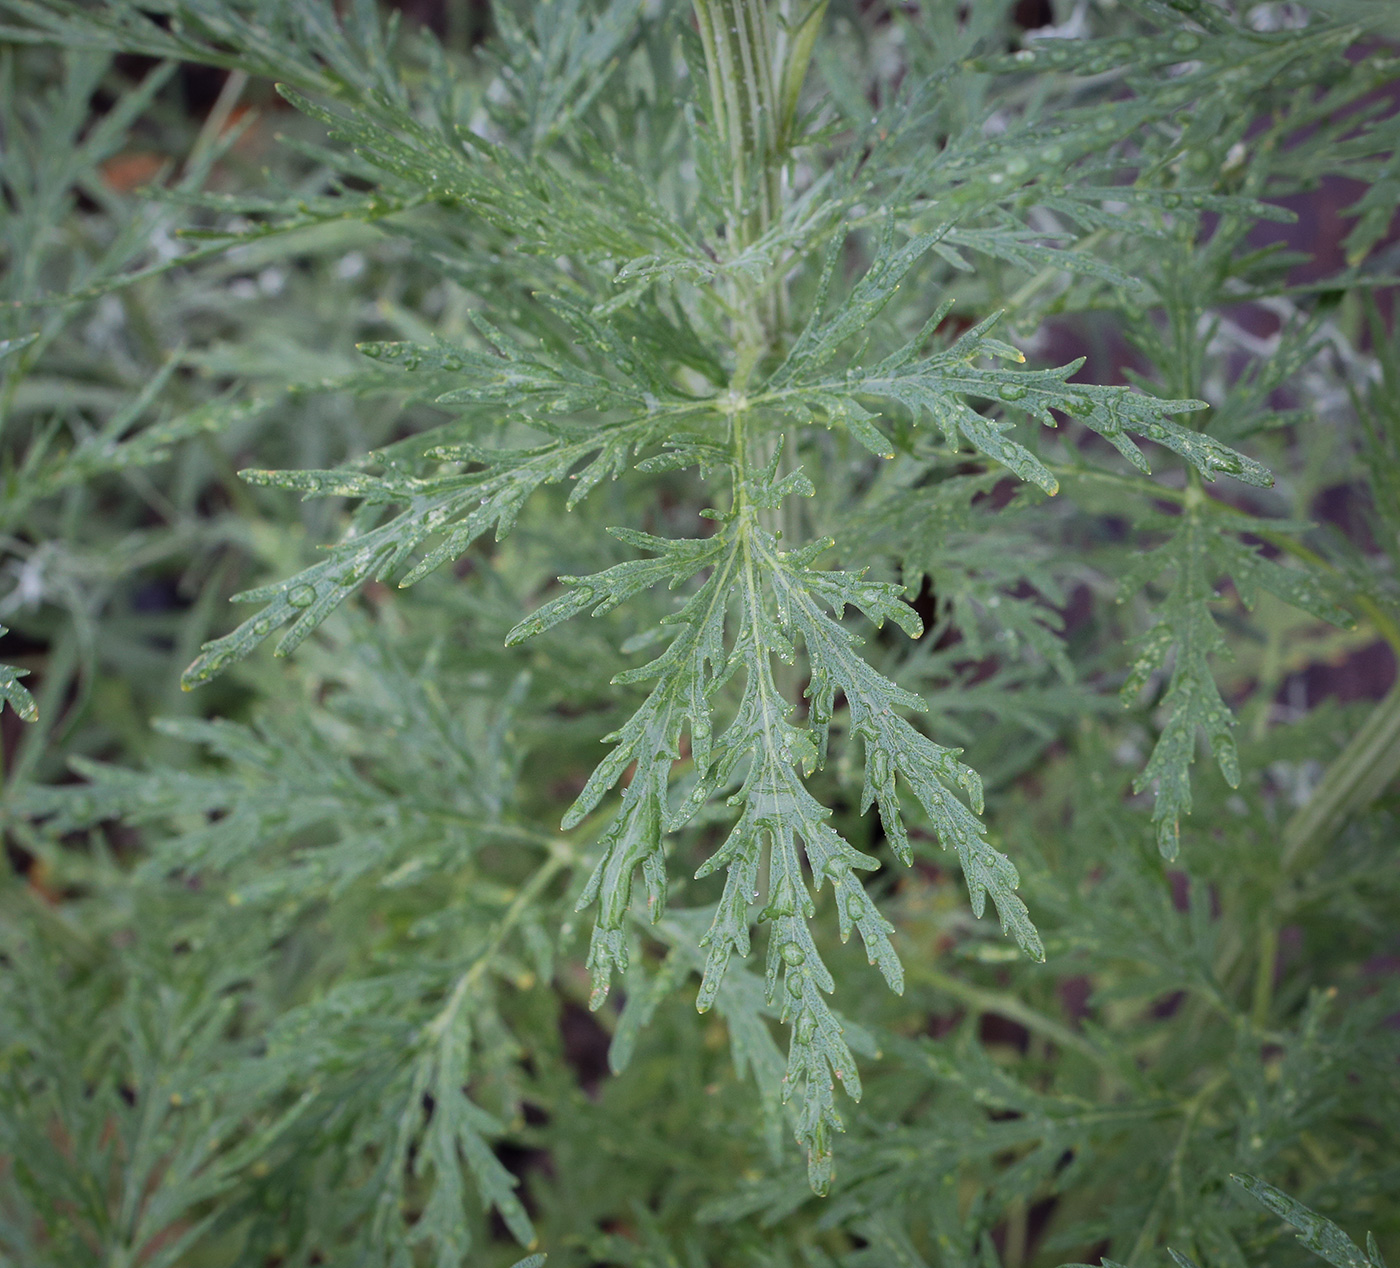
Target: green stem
(1011,1008)
(738,43)
(1172,1185)
(1029,289)
(1017,1231)
(1264,974)
(745,68)
(1356,777)
(561,856)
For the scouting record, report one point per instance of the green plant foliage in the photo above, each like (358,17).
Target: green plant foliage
(14,692)
(1319,1235)
(739,328)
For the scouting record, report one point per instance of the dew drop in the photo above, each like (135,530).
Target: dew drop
(302,596)
(793,954)
(855,908)
(1013,392)
(794,985)
(806,1028)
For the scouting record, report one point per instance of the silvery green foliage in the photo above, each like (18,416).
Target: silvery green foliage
(606,397)
(782,349)
(1321,1236)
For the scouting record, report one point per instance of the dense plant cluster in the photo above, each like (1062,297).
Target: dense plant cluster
(753,456)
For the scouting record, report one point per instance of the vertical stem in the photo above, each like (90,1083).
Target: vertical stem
(1356,777)
(744,71)
(738,43)
(745,66)
(754,76)
(1264,972)
(1017,1230)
